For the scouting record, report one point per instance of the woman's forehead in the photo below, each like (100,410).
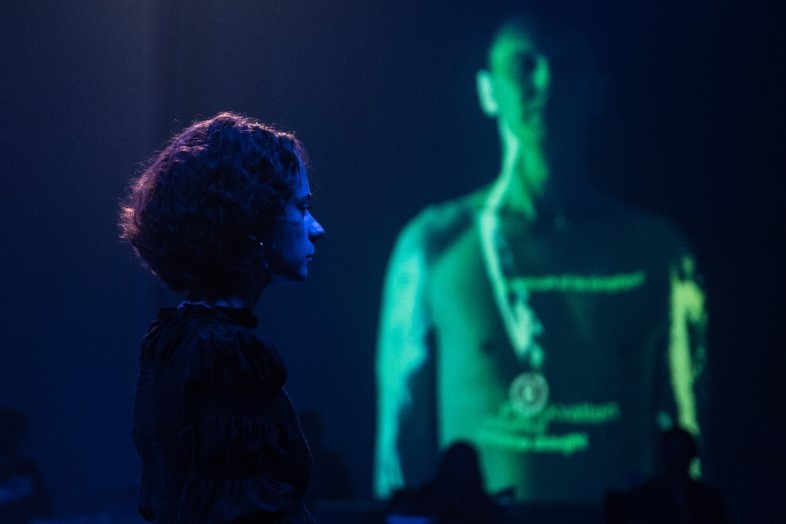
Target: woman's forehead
(302,187)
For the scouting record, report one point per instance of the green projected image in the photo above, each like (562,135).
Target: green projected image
(554,328)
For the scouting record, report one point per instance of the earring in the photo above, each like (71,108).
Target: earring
(264,259)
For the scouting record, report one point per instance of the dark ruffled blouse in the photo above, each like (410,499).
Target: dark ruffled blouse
(217,434)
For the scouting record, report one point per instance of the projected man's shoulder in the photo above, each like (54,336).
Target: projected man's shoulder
(638,230)
(438,226)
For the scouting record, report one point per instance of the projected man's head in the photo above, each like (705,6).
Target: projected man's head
(514,86)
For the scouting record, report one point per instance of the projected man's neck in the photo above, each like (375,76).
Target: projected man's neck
(514,90)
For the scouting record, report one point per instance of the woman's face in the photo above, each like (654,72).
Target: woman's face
(292,247)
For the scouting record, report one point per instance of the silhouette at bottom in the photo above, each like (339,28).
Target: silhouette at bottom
(23,496)
(671,497)
(455,495)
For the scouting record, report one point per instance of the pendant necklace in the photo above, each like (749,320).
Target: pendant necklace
(529,391)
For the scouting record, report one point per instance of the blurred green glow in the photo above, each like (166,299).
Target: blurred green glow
(583,413)
(580,283)
(566,444)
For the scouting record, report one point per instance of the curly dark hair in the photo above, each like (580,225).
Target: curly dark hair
(197,213)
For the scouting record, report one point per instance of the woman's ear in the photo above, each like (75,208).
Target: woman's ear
(486,98)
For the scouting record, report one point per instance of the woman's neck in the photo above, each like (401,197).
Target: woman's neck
(246,299)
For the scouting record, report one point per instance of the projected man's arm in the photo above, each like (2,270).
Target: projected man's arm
(401,351)
(686,343)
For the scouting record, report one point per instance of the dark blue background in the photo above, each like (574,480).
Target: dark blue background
(382,94)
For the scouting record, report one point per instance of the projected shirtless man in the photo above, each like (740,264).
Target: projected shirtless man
(555,329)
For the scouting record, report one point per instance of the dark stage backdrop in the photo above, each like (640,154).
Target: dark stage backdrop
(382,94)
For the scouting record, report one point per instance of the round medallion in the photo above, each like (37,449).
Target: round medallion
(529,393)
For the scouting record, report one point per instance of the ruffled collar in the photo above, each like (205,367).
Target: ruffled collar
(241,316)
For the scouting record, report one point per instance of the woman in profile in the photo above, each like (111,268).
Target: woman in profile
(222,212)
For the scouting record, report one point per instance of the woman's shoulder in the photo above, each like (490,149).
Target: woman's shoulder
(216,346)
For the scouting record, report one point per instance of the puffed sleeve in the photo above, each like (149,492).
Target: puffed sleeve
(247,459)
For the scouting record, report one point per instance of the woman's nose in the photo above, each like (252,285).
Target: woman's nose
(316,231)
